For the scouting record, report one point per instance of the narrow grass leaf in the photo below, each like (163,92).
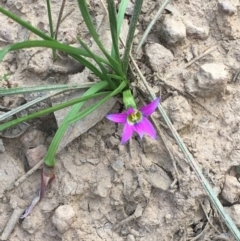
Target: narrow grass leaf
(120,16)
(154,20)
(88,21)
(25,24)
(49,159)
(101,66)
(51,26)
(50,110)
(132,27)
(44,88)
(113,28)
(88,110)
(74,52)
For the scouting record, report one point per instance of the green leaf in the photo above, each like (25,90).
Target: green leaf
(49,159)
(51,26)
(103,69)
(88,21)
(49,110)
(43,88)
(74,52)
(113,27)
(88,110)
(120,16)
(134,20)
(25,24)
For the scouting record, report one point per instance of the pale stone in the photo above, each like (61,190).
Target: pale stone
(173,30)
(159,56)
(231,189)
(63,218)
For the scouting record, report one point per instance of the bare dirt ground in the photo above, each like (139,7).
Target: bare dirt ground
(143,190)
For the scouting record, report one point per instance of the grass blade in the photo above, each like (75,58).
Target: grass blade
(74,52)
(88,21)
(103,69)
(156,17)
(120,16)
(51,26)
(113,28)
(95,106)
(49,159)
(50,110)
(25,24)
(134,20)
(59,18)
(50,18)
(43,88)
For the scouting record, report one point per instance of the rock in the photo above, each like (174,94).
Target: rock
(173,31)
(33,222)
(155,152)
(129,9)
(211,79)
(231,189)
(159,57)
(40,62)
(118,166)
(9,172)
(112,142)
(2,148)
(158,179)
(33,138)
(35,155)
(228,20)
(196,31)
(130,237)
(63,218)
(234,213)
(179,111)
(227,7)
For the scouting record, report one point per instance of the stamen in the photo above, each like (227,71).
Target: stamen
(135,117)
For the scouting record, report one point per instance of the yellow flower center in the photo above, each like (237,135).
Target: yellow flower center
(135,117)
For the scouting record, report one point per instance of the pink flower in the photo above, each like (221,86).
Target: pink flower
(136,120)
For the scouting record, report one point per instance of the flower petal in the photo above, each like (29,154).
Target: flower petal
(118,118)
(127,132)
(150,108)
(138,127)
(145,127)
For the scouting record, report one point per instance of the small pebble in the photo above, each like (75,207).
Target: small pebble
(173,31)
(231,189)
(227,7)
(32,139)
(63,218)
(36,154)
(118,166)
(212,78)
(159,56)
(129,9)
(130,237)
(196,31)
(32,223)
(234,212)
